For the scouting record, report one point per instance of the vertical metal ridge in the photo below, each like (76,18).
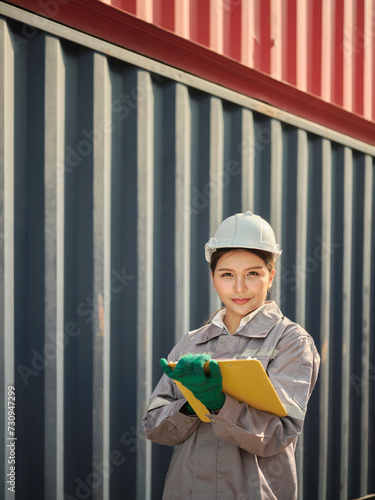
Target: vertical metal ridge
(144,10)
(301,251)
(301,243)
(145,149)
(107,216)
(347,54)
(369,56)
(216,178)
(325,318)
(7,360)
(183,210)
(366,322)
(247,160)
(54,267)
(182,18)
(301,48)
(276,194)
(346,311)
(247,33)
(101,140)
(216,27)
(276,50)
(326,63)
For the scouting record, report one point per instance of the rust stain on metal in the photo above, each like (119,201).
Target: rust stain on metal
(324,352)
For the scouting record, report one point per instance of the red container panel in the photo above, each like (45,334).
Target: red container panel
(324,47)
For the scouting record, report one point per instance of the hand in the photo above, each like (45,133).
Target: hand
(190,372)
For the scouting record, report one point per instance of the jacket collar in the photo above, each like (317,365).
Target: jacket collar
(258,327)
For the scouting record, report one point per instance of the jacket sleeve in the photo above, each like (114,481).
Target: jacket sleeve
(163,422)
(293,373)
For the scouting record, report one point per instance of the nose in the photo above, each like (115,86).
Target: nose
(240,284)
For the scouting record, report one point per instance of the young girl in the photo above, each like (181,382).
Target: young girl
(242,453)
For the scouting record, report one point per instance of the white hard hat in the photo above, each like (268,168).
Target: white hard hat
(243,231)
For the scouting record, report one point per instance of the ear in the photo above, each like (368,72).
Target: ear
(272,274)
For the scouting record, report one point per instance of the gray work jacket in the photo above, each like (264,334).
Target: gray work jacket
(242,453)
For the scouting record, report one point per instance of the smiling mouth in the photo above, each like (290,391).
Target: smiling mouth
(240,301)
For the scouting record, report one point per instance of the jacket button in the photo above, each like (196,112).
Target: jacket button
(213,420)
(222,340)
(189,421)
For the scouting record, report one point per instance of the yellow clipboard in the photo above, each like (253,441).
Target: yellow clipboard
(245,380)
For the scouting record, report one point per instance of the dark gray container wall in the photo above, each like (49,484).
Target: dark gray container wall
(115,171)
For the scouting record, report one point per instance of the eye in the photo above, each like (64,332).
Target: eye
(226,274)
(253,273)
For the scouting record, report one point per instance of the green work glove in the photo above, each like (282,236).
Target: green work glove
(188,409)
(190,372)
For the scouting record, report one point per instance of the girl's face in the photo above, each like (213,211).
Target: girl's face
(240,274)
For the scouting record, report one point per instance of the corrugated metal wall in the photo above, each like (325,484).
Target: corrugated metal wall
(115,170)
(326,47)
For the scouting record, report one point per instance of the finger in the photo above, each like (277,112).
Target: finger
(187,363)
(166,368)
(215,372)
(198,364)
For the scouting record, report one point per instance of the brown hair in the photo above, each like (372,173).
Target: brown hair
(267,257)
